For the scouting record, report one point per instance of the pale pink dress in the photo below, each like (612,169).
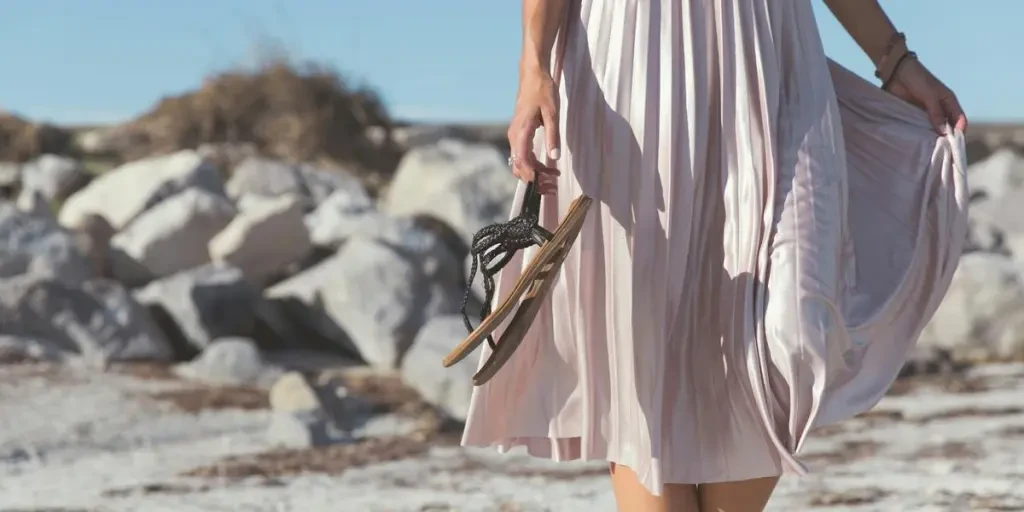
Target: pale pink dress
(771,235)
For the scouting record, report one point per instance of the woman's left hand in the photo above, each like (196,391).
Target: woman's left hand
(915,84)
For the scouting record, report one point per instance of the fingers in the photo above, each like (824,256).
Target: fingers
(551,129)
(945,111)
(961,123)
(520,138)
(954,112)
(526,166)
(546,178)
(552,138)
(536,106)
(936,115)
(547,184)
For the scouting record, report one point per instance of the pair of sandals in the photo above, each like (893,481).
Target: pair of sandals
(492,248)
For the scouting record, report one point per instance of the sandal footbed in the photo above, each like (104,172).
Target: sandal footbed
(568,229)
(520,324)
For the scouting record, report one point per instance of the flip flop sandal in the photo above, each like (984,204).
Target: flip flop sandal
(526,313)
(492,248)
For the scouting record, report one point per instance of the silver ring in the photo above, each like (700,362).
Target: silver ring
(512,161)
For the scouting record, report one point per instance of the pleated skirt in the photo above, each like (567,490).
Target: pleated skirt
(770,235)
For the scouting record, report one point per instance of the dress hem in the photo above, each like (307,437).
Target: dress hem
(528,445)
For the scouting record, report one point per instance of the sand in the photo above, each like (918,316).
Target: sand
(80,440)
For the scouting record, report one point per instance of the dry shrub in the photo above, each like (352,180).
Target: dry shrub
(292,112)
(22,140)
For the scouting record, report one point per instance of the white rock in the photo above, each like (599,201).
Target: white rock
(264,238)
(174,235)
(997,224)
(379,296)
(434,259)
(54,176)
(293,392)
(123,193)
(1001,172)
(447,388)
(36,244)
(466,185)
(96,319)
(209,302)
(982,315)
(340,216)
(270,178)
(227,361)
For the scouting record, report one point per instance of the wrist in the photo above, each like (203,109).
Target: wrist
(892,57)
(884,47)
(534,66)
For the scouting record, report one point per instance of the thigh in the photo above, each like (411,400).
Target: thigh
(632,496)
(742,496)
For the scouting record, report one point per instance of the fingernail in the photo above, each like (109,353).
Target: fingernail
(555,153)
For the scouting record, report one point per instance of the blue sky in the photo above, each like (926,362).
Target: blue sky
(84,61)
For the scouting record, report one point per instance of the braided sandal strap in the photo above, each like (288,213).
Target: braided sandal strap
(493,247)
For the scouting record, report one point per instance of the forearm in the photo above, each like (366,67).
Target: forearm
(866,23)
(541,20)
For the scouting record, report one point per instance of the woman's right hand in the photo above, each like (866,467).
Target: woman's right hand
(536,106)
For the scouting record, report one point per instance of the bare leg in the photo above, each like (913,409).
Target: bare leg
(743,496)
(632,496)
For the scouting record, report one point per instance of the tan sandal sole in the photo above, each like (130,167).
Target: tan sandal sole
(567,230)
(520,324)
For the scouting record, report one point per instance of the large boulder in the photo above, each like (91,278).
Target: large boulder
(271,178)
(448,389)
(982,316)
(379,293)
(122,194)
(999,173)
(267,236)
(466,185)
(997,205)
(210,302)
(97,320)
(35,244)
(997,224)
(174,235)
(340,216)
(55,177)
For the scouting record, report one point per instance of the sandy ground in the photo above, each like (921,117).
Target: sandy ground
(75,440)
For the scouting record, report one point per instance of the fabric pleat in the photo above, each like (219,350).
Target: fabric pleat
(770,235)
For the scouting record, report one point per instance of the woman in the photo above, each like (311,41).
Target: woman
(769,236)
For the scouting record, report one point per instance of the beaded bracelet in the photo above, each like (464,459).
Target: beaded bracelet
(903,58)
(895,54)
